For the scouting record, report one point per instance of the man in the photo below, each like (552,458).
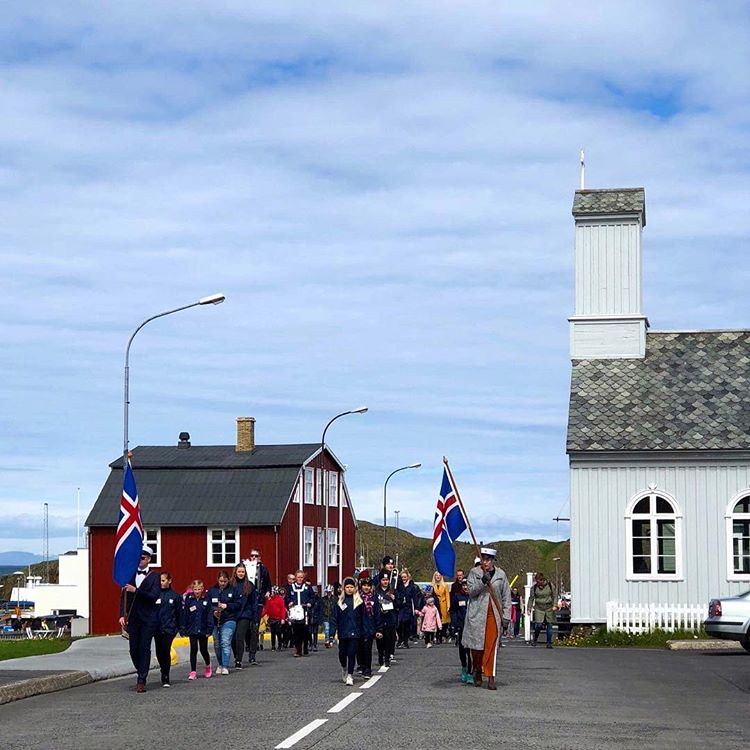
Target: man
(542,604)
(484,623)
(139,614)
(455,591)
(257,574)
(389,567)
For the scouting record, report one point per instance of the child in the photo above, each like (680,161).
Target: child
(346,620)
(431,623)
(370,626)
(224,604)
(459,603)
(275,611)
(170,606)
(195,625)
(326,608)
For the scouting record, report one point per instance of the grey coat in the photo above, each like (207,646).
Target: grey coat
(479,599)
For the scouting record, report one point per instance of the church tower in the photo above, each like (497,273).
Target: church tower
(608,322)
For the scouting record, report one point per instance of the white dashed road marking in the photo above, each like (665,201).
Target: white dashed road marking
(342,704)
(370,682)
(383,669)
(297,736)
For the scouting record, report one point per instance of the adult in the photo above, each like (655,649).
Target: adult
(247,613)
(409,599)
(224,604)
(139,614)
(259,576)
(459,605)
(542,606)
(484,623)
(389,567)
(299,600)
(455,589)
(170,608)
(347,623)
(442,596)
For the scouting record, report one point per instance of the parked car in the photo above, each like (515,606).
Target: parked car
(729,619)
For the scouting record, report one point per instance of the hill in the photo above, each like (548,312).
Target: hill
(515,557)
(19,559)
(7,582)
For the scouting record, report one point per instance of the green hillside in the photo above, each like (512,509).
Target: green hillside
(8,582)
(515,557)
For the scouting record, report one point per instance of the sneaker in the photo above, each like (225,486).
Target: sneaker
(367,675)
(192,676)
(388,662)
(344,675)
(207,672)
(166,684)
(252,662)
(429,645)
(549,645)
(238,665)
(349,680)
(224,670)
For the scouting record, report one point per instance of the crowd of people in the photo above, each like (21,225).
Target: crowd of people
(387,611)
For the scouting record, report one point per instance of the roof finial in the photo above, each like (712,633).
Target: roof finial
(583,170)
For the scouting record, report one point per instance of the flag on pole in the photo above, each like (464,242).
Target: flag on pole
(450,523)
(129,537)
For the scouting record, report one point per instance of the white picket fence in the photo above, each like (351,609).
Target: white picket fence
(643,618)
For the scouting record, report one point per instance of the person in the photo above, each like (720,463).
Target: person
(385,636)
(141,616)
(247,611)
(484,623)
(326,610)
(459,603)
(389,566)
(347,622)
(516,611)
(195,624)
(370,626)
(431,622)
(314,619)
(170,606)
(275,610)
(442,595)
(542,606)
(299,602)
(224,604)
(455,590)
(408,599)
(259,576)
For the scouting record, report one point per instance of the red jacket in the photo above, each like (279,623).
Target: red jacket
(275,608)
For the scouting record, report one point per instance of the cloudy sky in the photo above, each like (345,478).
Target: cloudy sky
(383,192)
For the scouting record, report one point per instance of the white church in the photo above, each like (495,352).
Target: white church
(658,433)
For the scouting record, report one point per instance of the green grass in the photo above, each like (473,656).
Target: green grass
(602,638)
(15,649)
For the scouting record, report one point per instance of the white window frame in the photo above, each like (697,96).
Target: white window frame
(155,544)
(332,546)
(210,541)
(319,487)
(333,489)
(730,516)
(308,547)
(309,496)
(297,491)
(653,517)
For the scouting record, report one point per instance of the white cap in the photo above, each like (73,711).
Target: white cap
(488,552)
(147,550)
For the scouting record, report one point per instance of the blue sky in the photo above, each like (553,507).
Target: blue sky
(383,192)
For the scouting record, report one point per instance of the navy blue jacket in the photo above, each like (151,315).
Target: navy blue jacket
(347,622)
(388,616)
(305,598)
(316,611)
(408,598)
(248,603)
(195,616)
(141,606)
(371,622)
(228,596)
(170,608)
(459,604)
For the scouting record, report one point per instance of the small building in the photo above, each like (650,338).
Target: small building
(204,508)
(658,433)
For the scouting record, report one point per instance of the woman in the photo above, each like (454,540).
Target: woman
(543,605)
(442,596)
(409,599)
(223,602)
(385,636)
(299,601)
(246,611)
(348,623)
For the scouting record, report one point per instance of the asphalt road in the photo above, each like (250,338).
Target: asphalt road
(562,698)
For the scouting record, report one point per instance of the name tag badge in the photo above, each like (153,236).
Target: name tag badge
(387,606)
(229,596)
(214,600)
(193,608)
(343,606)
(171,601)
(462,604)
(204,603)
(158,601)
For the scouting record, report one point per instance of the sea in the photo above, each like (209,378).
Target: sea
(5,569)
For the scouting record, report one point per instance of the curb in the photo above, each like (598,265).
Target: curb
(698,645)
(16,691)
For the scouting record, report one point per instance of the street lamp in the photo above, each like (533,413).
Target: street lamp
(385,503)
(19,575)
(557,575)
(358,410)
(396,512)
(212,299)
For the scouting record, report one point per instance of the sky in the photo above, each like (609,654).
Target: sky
(383,193)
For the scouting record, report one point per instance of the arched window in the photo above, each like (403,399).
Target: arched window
(738,537)
(654,537)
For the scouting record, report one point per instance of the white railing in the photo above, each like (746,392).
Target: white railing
(643,618)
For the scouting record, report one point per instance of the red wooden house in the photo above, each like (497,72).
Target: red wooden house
(205,507)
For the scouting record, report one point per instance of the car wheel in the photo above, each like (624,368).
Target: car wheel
(746,643)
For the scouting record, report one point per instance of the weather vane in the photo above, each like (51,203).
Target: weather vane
(583,170)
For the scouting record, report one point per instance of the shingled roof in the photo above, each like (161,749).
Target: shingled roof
(204,485)
(690,392)
(610,201)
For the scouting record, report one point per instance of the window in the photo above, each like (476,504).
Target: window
(297,492)
(309,499)
(222,547)
(319,487)
(333,547)
(152,538)
(333,489)
(307,559)
(654,538)
(738,537)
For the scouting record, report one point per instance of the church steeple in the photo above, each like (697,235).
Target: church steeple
(608,322)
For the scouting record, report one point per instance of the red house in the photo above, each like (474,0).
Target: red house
(205,507)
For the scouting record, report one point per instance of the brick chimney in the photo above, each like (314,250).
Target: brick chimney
(245,434)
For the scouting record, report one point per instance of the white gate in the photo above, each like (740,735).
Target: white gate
(643,618)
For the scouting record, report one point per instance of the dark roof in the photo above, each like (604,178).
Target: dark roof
(206,485)
(690,392)
(610,201)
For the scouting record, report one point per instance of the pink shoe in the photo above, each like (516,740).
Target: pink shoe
(208,672)
(192,676)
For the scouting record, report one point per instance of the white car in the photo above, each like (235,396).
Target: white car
(729,619)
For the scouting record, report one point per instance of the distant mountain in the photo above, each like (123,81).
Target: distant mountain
(19,558)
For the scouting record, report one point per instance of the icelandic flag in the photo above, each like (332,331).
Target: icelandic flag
(450,523)
(129,537)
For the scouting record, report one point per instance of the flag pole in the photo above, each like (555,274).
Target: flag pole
(493,593)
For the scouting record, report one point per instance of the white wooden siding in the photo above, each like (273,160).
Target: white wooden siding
(599,495)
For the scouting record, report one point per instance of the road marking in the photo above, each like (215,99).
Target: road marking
(370,682)
(297,736)
(383,669)
(342,704)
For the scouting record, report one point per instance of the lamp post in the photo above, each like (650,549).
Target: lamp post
(385,503)
(557,575)
(396,512)
(358,410)
(19,575)
(213,299)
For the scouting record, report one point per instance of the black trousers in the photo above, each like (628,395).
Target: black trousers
(348,653)
(464,654)
(313,634)
(404,632)
(196,642)
(163,644)
(240,639)
(385,645)
(364,655)
(251,639)
(140,636)
(275,634)
(428,636)
(299,637)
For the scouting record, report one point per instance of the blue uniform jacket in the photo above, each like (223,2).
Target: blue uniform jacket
(303,597)
(247,608)
(316,611)
(170,608)
(347,622)
(228,596)
(459,604)
(371,622)
(195,616)
(408,598)
(142,606)
(387,608)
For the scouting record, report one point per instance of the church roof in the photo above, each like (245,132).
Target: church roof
(610,201)
(690,392)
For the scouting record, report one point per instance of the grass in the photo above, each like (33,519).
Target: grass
(15,649)
(602,638)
